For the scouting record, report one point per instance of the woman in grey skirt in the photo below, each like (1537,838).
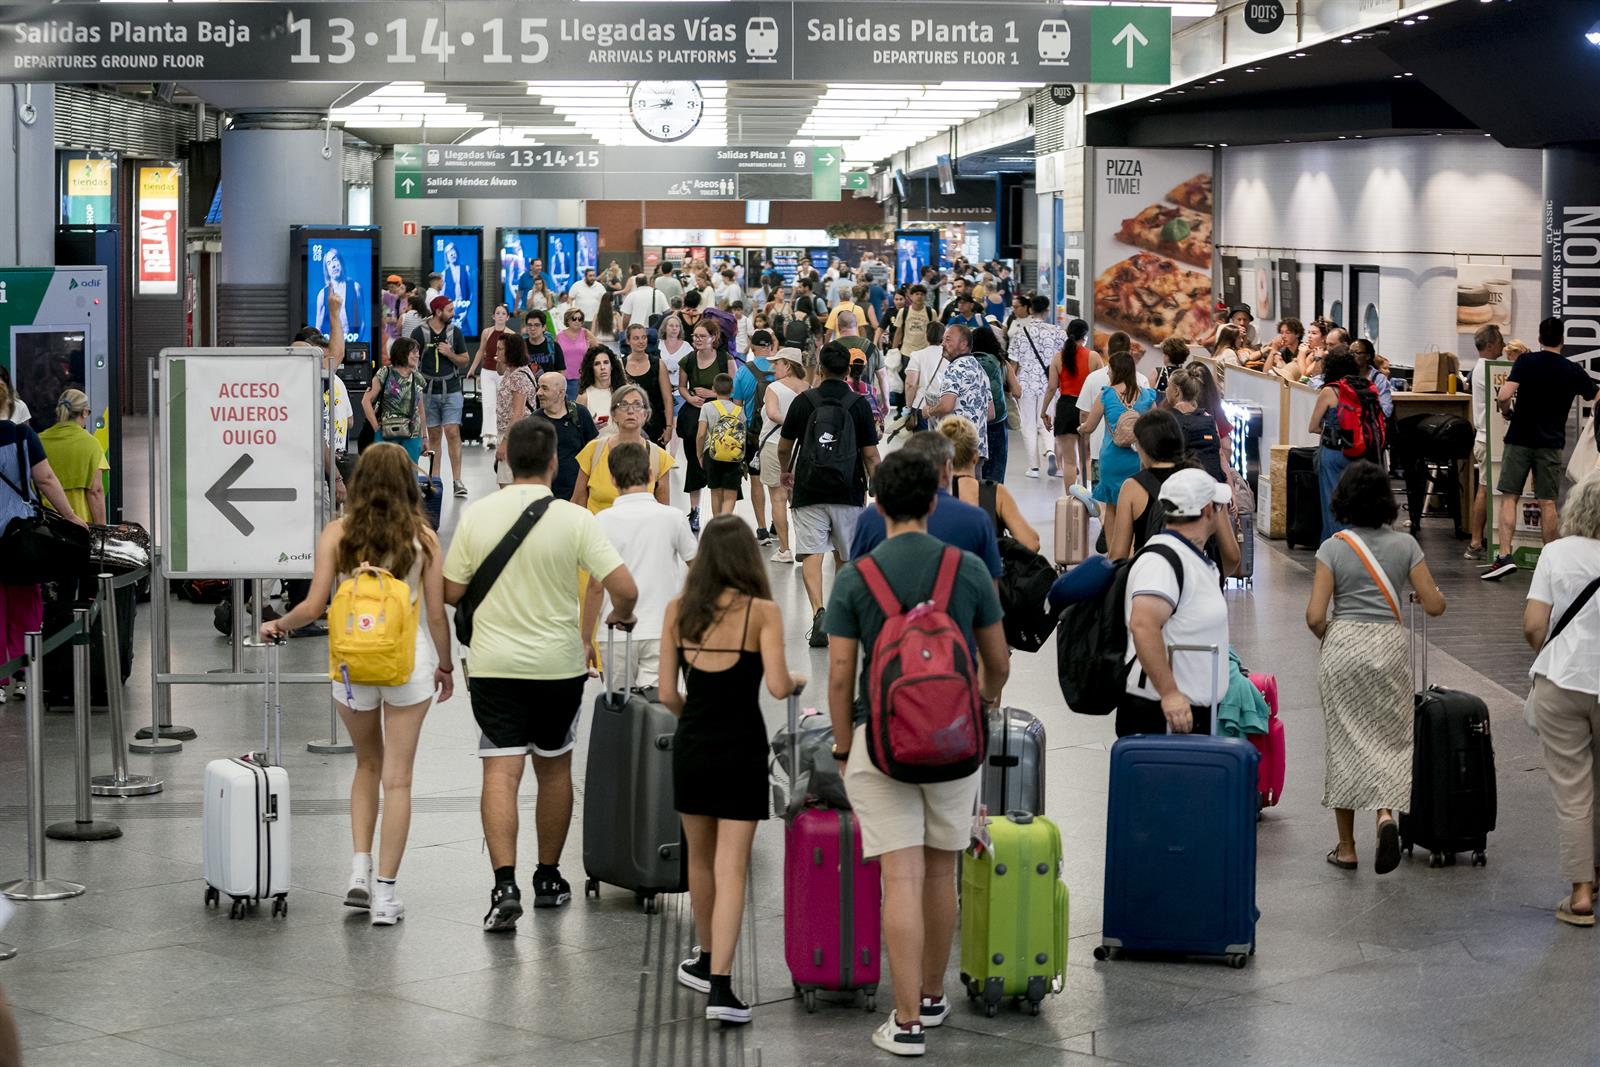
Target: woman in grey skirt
(1364,676)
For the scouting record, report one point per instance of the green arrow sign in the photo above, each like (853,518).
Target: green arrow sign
(1131,45)
(825,173)
(407,185)
(856,180)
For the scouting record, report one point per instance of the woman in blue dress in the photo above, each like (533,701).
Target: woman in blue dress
(1118,462)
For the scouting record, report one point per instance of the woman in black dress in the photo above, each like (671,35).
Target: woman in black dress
(725,634)
(650,374)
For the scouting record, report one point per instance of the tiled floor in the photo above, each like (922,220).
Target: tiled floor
(1455,966)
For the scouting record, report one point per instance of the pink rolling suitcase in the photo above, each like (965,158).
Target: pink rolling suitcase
(1271,745)
(832,900)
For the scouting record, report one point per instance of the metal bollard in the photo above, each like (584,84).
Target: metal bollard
(83,826)
(37,886)
(160,661)
(7,951)
(119,783)
(331,745)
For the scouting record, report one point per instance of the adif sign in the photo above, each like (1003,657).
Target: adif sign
(157,267)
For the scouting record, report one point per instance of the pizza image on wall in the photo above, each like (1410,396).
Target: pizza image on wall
(1152,297)
(1173,231)
(1194,193)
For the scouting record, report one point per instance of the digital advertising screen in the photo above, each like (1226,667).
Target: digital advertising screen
(787,262)
(518,249)
(87,183)
(457,255)
(160,189)
(561,258)
(821,259)
(588,252)
(913,250)
(341,265)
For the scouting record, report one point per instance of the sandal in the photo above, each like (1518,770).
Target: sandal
(1388,855)
(1343,865)
(1564,913)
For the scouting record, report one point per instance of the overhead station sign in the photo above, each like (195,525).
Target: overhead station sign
(241,452)
(742,172)
(509,40)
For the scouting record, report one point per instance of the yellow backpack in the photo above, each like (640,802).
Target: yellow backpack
(372,629)
(725,442)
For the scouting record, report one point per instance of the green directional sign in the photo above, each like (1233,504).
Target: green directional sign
(407,185)
(825,173)
(856,180)
(1132,45)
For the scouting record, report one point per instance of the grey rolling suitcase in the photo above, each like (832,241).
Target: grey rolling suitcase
(632,838)
(1013,770)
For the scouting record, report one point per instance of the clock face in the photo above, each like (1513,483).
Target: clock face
(666,111)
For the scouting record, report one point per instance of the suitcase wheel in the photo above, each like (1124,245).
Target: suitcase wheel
(990,1010)
(810,996)
(1441,859)
(1238,960)
(591,887)
(280,906)
(1479,859)
(648,903)
(872,1001)
(1102,953)
(1033,1007)
(236,909)
(212,896)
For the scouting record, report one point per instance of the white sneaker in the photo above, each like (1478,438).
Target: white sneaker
(19,690)
(934,1012)
(386,911)
(783,555)
(898,1040)
(359,894)
(1033,472)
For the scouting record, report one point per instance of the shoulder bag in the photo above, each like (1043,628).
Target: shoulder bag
(1528,714)
(496,562)
(42,546)
(1379,578)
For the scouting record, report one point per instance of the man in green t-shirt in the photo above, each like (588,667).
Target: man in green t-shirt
(915,829)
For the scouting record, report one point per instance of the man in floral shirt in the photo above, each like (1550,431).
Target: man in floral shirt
(1034,343)
(966,388)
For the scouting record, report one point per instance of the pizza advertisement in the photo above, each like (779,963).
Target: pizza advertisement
(1153,246)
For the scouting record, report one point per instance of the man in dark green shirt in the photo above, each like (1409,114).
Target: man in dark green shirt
(915,829)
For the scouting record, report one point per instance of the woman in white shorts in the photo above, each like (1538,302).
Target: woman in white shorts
(383,525)
(788,382)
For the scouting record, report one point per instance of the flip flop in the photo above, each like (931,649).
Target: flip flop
(1388,856)
(1343,865)
(1565,914)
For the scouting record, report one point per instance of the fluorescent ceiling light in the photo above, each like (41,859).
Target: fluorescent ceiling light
(1196,8)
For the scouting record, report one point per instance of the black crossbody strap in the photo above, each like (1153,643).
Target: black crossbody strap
(1027,335)
(1573,609)
(489,573)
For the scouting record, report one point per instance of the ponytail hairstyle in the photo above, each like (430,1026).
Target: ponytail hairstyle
(71,404)
(1077,333)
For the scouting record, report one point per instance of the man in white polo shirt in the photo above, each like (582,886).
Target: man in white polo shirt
(1174,597)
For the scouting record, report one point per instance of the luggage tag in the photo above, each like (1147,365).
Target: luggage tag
(981,841)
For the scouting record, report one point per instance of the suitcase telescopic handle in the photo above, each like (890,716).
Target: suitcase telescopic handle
(271,699)
(1417,643)
(611,660)
(1216,664)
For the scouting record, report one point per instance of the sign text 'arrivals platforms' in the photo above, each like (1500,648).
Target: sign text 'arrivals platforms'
(242,461)
(503,40)
(740,172)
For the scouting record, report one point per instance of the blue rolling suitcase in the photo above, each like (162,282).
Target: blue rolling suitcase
(1181,846)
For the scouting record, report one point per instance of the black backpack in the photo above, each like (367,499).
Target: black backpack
(797,331)
(1025,580)
(1202,441)
(826,465)
(1092,641)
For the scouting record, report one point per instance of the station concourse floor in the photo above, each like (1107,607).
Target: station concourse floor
(1459,966)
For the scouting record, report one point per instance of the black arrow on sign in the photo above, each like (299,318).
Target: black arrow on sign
(223,495)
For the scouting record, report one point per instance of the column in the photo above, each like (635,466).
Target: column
(27,187)
(1570,288)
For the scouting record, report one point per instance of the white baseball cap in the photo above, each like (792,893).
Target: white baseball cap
(1184,495)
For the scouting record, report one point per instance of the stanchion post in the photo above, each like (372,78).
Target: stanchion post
(332,745)
(37,886)
(83,826)
(119,783)
(149,739)
(237,637)
(7,951)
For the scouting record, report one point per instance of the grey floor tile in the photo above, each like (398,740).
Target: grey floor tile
(110,1051)
(37,1030)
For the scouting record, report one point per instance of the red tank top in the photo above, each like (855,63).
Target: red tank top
(1072,381)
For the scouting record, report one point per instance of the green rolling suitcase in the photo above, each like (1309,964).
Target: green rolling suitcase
(1014,914)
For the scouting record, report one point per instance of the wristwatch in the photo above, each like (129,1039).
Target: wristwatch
(840,756)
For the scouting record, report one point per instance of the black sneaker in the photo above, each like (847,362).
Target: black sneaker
(550,891)
(505,908)
(1503,565)
(934,1012)
(816,638)
(695,972)
(694,519)
(724,1006)
(761,535)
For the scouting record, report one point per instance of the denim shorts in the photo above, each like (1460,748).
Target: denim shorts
(444,409)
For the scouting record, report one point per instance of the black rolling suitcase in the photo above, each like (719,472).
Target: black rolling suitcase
(1453,801)
(1303,505)
(472,415)
(58,664)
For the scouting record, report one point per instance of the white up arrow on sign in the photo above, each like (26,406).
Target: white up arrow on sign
(1130,33)
(408,183)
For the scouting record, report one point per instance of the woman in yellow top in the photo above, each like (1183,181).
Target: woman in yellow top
(630,411)
(76,457)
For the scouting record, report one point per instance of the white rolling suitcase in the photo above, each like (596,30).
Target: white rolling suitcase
(245,816)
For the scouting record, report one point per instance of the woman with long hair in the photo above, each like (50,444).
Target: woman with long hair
(697,372)
(1331,460)
(486,365)
(349,320)
(383,526)
(605,322)
(595,382)
(76,457)
(631,413)
(393,402)
(1563,701)
(1068,370)
(725,634)
(540,299)
(1122,397)
(22,458)
(516,398)
(672,341)
(1364,671)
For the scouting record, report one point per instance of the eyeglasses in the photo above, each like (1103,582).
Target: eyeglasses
(630,405)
